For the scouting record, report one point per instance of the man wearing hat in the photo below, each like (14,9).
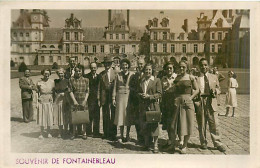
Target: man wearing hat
(105,90)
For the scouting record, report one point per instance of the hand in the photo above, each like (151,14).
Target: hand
(75,103)
(62,94)
(84,103)
(114,102)
(146,96)
(98,103)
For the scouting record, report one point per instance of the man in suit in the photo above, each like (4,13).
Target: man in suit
(71,69)
(134,83)
(94,110)
(27,86)
(105,90)
(206,108)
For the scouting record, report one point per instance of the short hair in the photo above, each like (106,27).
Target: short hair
(168,63)
(126,61)
(203,59)
(46,69)
(27,69)
(59,70)
(92,63)
(148,64)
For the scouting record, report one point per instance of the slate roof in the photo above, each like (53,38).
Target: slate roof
(93,33)
(23,21)
(52,34)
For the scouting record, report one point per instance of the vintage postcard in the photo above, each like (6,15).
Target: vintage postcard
(123,84)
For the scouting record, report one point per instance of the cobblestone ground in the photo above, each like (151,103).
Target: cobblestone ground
(24,136)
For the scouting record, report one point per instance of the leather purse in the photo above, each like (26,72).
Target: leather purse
(152,116)
(79,115)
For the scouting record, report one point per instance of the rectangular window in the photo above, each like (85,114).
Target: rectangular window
(111,49)
(195,48)
(86,48)
(27,45)
(117,36)
(67,35)
(219,35)
(164,35)
(21,34)
(15,34)
(154,47)
(123,49)
(155,35)
(51,59)
(213,36)
(226,35)
(213,48)
(67,59)
(42,59)
(164,48)
(21,46)
(59,58)
(76,48)
(134,48)
(111,36)
(27,34)
(172,48)
(67,48)
(219,48)
(76,34)
(94,49)
(123,36)
(102,48)
(184,48)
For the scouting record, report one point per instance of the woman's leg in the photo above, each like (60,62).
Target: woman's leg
(41,133)
(49,132)
(60,131)
(233,114)
(181,137)
(155,149)
(184,147)
(227,111)
(121,134)
(73,131)
(84,133)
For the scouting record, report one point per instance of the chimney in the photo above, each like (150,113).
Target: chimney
(71,15)
(214,13)
(128,13)
(186,26)
(109,15)
(202,15)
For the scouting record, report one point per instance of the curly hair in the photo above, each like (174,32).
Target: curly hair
(44,70)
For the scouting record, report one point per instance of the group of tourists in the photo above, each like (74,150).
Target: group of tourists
(131,98)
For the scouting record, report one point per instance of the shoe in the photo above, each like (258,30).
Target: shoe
(170,149)
(120,140)
(49,136)
(184,150)
(226,115)
(155,150)
(233,116)
(59,136)
(221,148)
(40,137)
(84,137)
(72,137)
(204,146)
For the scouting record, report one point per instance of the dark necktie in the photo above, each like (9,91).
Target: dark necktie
(206,88)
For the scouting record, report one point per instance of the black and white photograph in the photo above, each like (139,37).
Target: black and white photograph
(157,81)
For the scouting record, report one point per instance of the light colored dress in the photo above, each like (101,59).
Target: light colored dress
(231,97)
(45,105)
(121,95)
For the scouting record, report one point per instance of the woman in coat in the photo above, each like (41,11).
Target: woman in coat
(45,88)
(120,99)
(231,98)
(60,90)
(150,90)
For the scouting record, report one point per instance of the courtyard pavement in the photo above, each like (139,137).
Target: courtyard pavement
(24,136)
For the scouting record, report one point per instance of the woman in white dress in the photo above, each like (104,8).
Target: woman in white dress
(231,98)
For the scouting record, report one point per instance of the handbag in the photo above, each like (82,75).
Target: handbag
(152,116)
(79,115)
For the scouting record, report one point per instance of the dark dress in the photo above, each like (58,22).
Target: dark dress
(182,121)
(60,112)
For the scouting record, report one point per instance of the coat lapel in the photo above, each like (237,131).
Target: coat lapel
(150,84)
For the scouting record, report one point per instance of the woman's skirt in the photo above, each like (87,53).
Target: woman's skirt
(45,111)
(231,98)
(58,110)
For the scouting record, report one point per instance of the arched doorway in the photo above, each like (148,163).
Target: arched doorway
(195,61)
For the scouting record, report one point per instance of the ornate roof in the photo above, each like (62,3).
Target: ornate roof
(52,34)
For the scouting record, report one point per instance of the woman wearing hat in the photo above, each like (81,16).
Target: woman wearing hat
(120,99)
(231,98)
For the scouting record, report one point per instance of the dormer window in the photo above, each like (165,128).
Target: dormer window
(219,22)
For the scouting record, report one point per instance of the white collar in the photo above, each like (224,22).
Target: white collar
(151,78)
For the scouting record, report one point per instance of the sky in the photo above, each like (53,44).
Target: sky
(138,18)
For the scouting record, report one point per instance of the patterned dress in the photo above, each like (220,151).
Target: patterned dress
(61,89)
(45,105)
(79,87)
